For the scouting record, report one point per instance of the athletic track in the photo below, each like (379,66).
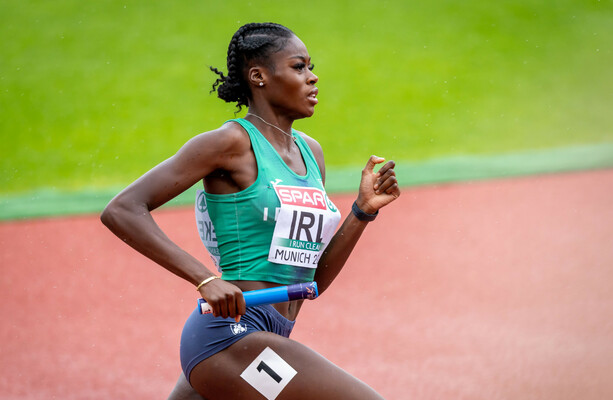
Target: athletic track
(496,289)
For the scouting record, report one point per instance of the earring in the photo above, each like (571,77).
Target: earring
(261,83)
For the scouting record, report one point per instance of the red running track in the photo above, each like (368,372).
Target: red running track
(488,290)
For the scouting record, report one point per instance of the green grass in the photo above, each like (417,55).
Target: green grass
(93,94)
(45,203)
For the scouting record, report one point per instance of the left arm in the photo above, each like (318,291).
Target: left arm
(377,189)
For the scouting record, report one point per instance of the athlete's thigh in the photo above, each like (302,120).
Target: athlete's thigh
(276,364)
(183,391)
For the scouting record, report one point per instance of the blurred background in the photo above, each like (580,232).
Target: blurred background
(93,94)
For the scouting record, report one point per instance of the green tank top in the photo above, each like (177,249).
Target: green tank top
(276,229)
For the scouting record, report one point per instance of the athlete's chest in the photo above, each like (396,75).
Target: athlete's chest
(240,170)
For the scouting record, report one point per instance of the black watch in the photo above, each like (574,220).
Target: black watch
(361,215)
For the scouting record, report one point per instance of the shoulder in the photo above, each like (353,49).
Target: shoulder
(313,144)
(230,136)
(317,151)
(228,140)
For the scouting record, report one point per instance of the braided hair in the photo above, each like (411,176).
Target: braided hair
(252,42)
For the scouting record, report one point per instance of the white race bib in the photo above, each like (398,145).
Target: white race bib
(305,225)
(205,228)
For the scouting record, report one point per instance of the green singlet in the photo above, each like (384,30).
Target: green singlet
(276,229)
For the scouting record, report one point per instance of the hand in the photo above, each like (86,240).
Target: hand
(225,299)
(377,189)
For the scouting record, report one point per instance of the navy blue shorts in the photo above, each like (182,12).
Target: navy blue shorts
(205,335)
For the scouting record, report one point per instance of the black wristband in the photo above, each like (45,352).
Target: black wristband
(361,215)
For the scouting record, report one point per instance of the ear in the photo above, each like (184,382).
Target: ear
(256,76)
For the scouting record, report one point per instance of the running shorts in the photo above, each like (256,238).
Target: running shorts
(204,335)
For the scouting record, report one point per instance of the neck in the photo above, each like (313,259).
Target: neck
(281,131)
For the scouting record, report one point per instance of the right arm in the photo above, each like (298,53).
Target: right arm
(128,215)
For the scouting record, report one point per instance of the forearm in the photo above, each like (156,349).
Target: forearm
(134,225)
(338,251)
(376,190)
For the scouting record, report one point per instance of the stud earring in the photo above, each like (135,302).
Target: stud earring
(261,83)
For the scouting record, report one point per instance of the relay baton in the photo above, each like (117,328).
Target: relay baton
(279,294)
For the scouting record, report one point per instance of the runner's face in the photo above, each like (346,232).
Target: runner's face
(292,85)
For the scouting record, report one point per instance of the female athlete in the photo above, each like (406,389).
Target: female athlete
(268,222)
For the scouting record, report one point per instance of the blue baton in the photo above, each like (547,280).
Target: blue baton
(279,294)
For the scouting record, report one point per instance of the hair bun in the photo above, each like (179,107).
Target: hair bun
(251,42)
